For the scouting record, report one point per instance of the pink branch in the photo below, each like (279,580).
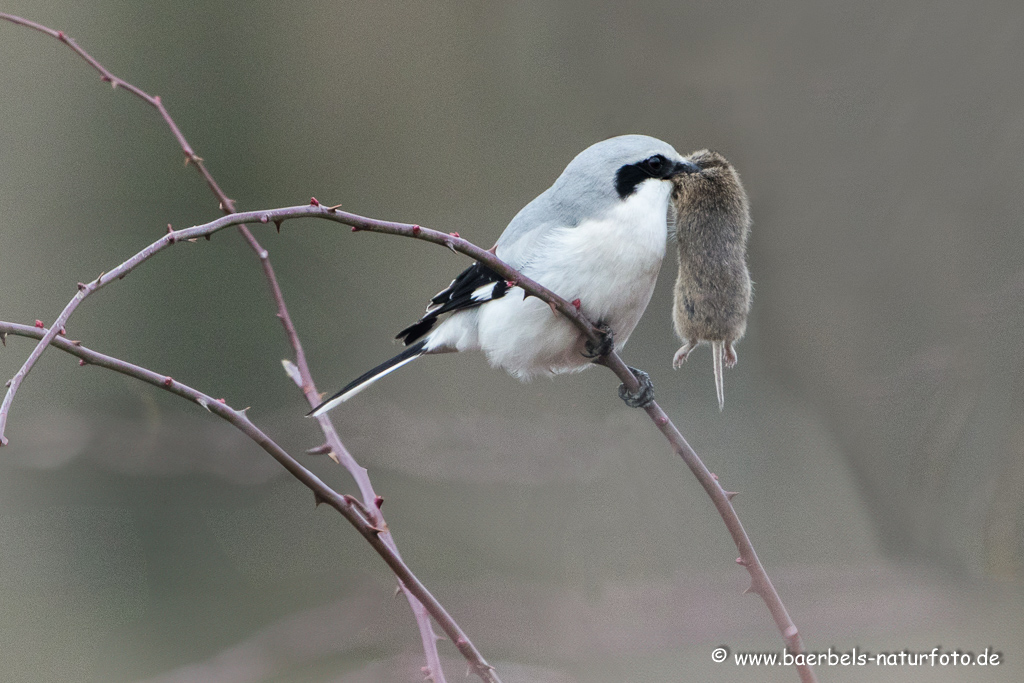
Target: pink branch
(338,451)
(350,508)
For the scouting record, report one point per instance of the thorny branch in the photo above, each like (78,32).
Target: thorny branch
(760,582)
(335,448)
(350,508)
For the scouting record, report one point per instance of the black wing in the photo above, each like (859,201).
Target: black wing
(475,285)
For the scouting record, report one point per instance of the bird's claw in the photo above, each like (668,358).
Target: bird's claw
(602,348)
(643,396)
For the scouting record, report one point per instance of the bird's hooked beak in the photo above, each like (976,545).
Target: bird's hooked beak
(685,167)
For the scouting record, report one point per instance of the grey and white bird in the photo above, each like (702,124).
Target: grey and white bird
(598,234)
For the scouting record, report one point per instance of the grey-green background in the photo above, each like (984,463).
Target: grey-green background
(873,424)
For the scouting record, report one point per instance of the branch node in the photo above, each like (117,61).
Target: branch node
(714,476)
(741,562)
(576,304)
(264,218)
(81,286)
(661,420)
(264,254)
(454,234)
(355,228)
(313,201)
(790,632)
(39,324)
(168,381)
(416,230)
(82,362)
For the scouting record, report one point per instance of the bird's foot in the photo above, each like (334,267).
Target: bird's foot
(603,347)
(642,396)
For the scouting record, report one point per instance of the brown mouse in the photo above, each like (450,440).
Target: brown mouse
(713,288)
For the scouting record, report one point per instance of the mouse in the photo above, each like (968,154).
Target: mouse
(713,289)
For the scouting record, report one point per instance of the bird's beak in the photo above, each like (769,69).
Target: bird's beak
(685,167)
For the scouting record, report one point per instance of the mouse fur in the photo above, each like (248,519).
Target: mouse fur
(713,290)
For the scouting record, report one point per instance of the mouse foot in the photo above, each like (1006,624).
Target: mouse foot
(730,356)
(682,354)
(602,348)
(642,396)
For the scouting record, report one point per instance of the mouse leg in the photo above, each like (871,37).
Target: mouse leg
(603,347)
(642,396)
(682,354)
(730,355)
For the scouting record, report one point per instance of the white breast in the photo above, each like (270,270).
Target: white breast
(610,264)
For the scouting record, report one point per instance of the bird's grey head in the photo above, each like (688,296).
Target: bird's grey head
(610,171)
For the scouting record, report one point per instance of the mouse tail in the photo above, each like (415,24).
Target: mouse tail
(718,351)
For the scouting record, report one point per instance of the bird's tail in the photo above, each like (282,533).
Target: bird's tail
(368,378)
(718,352)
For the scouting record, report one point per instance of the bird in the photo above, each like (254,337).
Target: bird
(713,288)
(597,235)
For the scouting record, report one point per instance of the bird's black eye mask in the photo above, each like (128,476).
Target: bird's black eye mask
(629,176)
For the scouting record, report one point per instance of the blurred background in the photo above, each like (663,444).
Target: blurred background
(873,424)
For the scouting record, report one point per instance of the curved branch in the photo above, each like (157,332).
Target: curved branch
(336,448)
(350,508)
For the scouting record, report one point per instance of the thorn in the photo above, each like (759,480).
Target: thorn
(378,501)
(277,224)
(318,499)
(729,495)
(244,410)
(450,245)
(416,230)
(553,307)
(220,205)
(82,362)
(101,276)
(121,276)
(81,286)
(113,84)
(192,239)
(207,237)
(75,342)
(469,671)
(3,338)
(749,589)
(322,449)
(494,250)
(168,380)
(39,324)
(264,218)
(313,201)
(576,304)
(7,384)
(105,78)
(440,636)
(333,208)
(202,401)
(398,591)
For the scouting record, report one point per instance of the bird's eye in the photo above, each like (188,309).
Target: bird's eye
(655,164)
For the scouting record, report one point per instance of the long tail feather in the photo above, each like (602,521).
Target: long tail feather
(368,378)
(718,351)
